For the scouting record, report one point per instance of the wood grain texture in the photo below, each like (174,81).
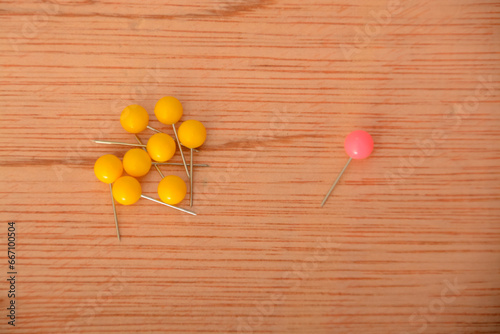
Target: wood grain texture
(279,84)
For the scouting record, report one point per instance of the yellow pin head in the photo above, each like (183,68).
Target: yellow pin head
(161,147)
(134,118)
(137,162)
(172,189)
(127,190)
(192,134)
(168,110)
(108,168)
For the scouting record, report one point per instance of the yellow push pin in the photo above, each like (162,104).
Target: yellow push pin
(134,119)
(172,189)
(127,191)
(136,162)
(192,134)
(168,110)
(161,147)
(108,169)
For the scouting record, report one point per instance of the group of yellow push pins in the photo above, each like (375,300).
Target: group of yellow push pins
(160,148)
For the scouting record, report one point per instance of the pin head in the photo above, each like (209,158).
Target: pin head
(358,144)
(161,147)
(172,189)
(126,190)
(134,118)
(137,162)
(192,133)
(168,110)
(108,168)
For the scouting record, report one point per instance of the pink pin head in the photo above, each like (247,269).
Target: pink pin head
(358,144)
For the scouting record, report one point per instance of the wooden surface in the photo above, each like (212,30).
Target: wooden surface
(278,84)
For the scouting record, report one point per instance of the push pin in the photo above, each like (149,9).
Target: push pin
(108,169)
(134,119)
(169,110)
(136,162)
(192,134)
(172,189)
(161,147)
(358,145)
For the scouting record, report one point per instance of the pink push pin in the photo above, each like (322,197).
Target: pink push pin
(358,145)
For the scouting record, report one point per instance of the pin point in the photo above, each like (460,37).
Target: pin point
(108,169)
(192,134)
(169,110)
(358,145)
(127,190)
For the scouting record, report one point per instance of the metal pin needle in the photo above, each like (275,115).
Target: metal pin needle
(114,212)
(170,206)
(335,183)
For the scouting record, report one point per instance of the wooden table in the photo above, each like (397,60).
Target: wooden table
(409,242)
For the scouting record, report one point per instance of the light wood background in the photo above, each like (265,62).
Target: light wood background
(278,84)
